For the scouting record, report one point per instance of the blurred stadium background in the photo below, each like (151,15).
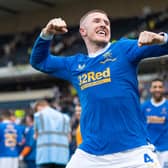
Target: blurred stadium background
(21,22)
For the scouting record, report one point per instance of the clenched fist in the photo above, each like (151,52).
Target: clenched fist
(149,38)
(54,27)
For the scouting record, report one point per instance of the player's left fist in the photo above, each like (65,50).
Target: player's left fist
(150,38)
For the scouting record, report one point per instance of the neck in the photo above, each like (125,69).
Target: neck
(158,100)
(94,47)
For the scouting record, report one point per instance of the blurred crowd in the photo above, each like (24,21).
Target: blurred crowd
(16,48)
(45,135)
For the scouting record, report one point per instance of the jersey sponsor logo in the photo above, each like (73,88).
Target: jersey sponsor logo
(155,119)
(90,79)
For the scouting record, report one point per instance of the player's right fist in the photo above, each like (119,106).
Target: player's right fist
(54,27)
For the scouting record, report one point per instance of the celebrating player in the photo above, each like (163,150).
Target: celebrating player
(111,123)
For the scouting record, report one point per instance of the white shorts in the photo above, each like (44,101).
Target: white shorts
(163,159)
(9,162)
(142,157)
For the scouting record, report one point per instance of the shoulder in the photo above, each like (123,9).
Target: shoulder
(76,57)
(166,101)
(72,60)
(146,103)
(19,127)
(36,115)
(67,118)
(1,125)
(125,44)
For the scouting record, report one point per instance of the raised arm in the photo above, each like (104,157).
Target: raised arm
(41,59)
(55,26)
(149,44)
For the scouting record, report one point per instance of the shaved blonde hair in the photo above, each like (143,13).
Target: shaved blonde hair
(90,12)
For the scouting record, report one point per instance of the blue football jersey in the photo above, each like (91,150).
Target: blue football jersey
(111,119)
(30,142)
(10,137)
(158,131)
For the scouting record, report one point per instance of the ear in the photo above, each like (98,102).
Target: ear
(82,31)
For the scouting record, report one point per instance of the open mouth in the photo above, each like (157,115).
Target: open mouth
(101,32)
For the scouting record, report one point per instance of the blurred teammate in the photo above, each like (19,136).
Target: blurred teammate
(156,112)
(78,132)
(28,154)
(106,80)
(10,139)
(75,119)
(52,130)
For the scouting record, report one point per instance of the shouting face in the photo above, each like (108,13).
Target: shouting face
(95,28)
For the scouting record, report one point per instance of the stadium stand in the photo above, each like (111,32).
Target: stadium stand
(16,48)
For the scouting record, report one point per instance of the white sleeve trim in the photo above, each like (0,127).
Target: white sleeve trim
(165,37)
(46,37)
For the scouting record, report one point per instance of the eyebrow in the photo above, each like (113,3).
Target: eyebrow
(106,20)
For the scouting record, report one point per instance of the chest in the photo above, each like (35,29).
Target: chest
(101,69)
(157,111)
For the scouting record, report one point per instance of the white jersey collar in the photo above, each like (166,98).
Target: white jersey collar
(99,52)
(158,104)
(6,121)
